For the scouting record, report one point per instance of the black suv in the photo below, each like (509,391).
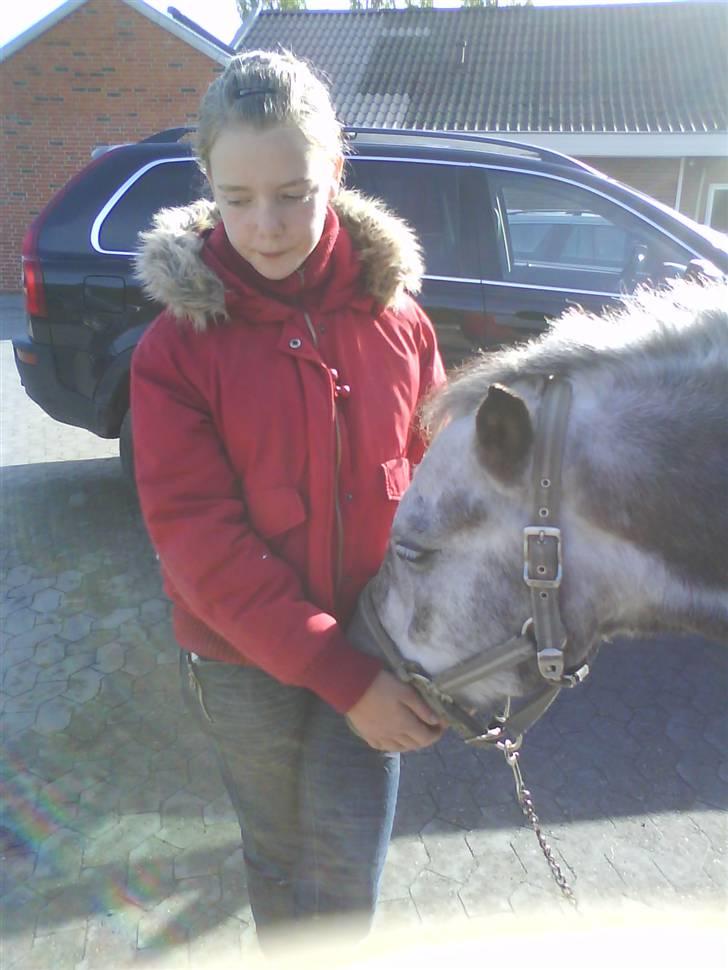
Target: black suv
(513,235)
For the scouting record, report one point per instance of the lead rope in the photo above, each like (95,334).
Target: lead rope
(525,800)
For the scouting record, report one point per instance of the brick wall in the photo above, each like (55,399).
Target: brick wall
(655,176)
(102,75)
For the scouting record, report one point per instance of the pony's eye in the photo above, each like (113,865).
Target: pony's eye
(412,554)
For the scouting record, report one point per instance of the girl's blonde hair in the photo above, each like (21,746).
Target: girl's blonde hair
(264,89)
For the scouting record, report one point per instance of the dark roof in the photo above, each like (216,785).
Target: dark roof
(613,68)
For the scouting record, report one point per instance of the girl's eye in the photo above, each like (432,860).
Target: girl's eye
(236,202)
(413,554)
(297,198)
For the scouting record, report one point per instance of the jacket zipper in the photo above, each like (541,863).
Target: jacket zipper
(337,471)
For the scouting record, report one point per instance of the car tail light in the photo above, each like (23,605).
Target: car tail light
(35,300)
(33,284)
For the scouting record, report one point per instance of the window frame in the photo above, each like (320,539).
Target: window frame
(713,190)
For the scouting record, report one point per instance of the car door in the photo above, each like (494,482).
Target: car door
(436,199)
(555,244)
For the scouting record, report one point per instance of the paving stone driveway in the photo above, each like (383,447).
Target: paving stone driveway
(119,845)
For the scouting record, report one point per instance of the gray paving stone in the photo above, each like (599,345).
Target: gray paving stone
(110,657)
(17,723)
(407,857)
(234,891)
(183,832)
(117,618)
(436,898)
(17,576)
(150,878)
(139,661)
(54,715)
(68,580)
(219,810)
(486,891)
(450,855)
(182,805)
(20,678)
(76,627)
(31,701)
(62,949)
(397,916)
(115,843)
(63,669)
(456,804)
(20,621)
(24,642)
(111,940)
(220,944)
(47,601)
(16,867)
(49,652)
(150,793)
(154,609)
(83,685)
(59,861)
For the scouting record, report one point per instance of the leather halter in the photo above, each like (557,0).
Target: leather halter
(543,632)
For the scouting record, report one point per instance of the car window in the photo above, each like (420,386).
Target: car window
(553,233)
(167,183)
(428,197)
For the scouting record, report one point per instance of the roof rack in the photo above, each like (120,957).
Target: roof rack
(465,139)
(168,135)
(460,139)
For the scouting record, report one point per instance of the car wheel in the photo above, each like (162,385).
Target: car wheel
(126,450)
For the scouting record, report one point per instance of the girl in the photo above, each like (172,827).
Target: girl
(274,406)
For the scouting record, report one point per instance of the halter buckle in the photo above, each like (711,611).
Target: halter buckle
(542,534)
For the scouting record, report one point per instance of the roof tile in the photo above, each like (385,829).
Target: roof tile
(611,68)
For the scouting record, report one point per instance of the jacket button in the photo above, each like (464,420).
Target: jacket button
(295,343)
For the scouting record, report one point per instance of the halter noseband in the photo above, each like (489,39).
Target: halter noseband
(543,632)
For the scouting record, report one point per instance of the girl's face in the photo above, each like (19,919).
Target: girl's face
(272,188)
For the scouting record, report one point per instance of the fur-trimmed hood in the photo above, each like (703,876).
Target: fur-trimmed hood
(172,272)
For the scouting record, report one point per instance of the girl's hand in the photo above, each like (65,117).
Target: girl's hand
(391,716)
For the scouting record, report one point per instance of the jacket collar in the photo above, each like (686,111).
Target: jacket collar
(173,272)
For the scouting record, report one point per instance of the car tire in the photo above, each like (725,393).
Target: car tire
(126,450)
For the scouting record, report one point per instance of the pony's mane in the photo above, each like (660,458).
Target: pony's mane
(679,327)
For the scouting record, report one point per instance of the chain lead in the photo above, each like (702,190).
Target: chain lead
(525,800)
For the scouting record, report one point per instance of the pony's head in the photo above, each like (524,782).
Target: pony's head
(643,513)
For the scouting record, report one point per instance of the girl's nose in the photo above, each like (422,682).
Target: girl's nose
(269,219)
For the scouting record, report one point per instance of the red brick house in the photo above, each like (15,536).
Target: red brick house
(93,72)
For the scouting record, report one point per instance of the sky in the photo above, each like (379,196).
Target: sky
(219,17)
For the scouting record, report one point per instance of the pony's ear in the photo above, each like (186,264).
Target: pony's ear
(505,434)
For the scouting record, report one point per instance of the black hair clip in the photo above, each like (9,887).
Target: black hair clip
(246,92)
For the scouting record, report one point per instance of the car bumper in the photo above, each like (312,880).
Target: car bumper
(37,371)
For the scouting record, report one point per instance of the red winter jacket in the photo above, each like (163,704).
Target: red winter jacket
(274,435)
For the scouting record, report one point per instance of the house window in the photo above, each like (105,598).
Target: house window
(716,209)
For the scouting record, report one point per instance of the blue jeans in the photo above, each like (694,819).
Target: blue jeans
(315,803)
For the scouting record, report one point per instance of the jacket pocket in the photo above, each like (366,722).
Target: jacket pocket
(397,477)
(275,511)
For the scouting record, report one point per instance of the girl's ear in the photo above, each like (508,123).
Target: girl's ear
(336,179)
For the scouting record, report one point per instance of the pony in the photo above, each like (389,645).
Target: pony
(613,507)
